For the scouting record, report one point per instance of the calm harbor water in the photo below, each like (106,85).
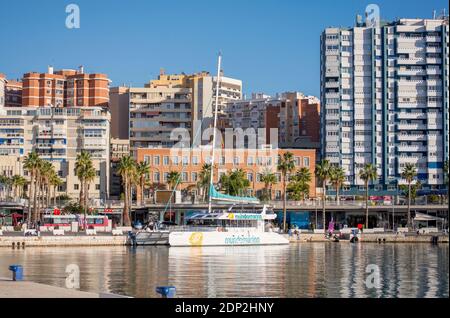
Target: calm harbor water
(297,270)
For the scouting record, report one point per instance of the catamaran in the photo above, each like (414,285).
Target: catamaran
(224,228)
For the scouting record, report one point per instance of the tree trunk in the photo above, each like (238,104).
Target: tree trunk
(367,205)
(54,195)
(324,198)
(84,210)
(35,207)
(81,191)
(409,206)
(284,203)
(337,194)
(48,194)
(30,194)
(142,191)
(126,217)
(86,185)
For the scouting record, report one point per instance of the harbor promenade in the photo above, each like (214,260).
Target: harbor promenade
(27,289)
(16,241)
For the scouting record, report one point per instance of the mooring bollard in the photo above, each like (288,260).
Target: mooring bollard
(166,291)
(17,271)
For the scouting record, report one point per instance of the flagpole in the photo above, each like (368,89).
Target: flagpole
(214,133)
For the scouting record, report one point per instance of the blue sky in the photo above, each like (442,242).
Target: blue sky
(272,45)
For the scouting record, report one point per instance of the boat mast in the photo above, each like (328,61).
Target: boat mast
(214,132)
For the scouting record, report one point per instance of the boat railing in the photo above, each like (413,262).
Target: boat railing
(205,228)
(189,228)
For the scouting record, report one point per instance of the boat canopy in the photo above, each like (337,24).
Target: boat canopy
(232,216)
(215,195)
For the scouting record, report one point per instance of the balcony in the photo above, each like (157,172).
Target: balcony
(332,95)
(401,72)
(433,38)
(410,61)
(411,126)
(412,148)
(413,115)
(411,137)
(332,84)
(434,60)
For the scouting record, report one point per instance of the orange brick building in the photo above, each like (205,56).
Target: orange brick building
(254,162)
(65,88)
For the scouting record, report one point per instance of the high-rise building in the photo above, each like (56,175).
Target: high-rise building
(294,115)
(119,149)
(299,121)
(384,97)
(2,89)
(57,135)
(65,88)
(149,115)
(13,93)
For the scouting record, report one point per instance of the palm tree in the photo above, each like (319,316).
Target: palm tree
(142,170)
(409,173)
(45,172)
(55,182)
(323,172)
(89,177)
(82,166)
(337,179)
(286,165)
(126,169)
(18,183)
(173,179)
(298,187)
(7,184)
(303,176)
(204,179)
(269,178)
(32,163)
(234,182)
(367,174)
(85,171)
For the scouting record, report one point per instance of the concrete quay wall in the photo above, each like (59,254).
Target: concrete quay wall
(34,241)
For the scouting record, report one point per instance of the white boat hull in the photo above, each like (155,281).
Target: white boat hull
(225,238)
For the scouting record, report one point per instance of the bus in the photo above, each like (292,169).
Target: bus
(100,223)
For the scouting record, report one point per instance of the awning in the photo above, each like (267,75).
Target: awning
(426,217)
(431,192)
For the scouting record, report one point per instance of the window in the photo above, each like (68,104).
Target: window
(156,177)
(76,186)
(195,161)
(147,159)
(166,174)
(305,161)
(185,160)
(97,173)
(156,160)
(184,177)
(250,176)
(250,161)
(236,160)
(166,160)
(194,176)
(97,187)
